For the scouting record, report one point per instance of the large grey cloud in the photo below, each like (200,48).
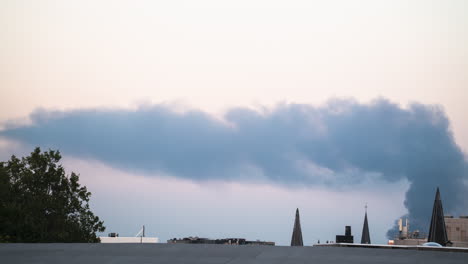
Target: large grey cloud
(338,144)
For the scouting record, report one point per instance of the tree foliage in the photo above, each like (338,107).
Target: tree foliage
(40,203)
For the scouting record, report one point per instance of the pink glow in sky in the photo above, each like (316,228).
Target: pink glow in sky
(218,54)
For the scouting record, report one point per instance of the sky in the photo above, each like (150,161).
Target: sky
(220,118)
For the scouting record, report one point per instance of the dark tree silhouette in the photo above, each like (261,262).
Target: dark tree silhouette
(40,203)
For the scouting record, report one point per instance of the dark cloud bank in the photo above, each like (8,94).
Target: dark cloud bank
(338,144)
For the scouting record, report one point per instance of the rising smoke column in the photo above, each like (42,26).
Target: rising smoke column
(339,144)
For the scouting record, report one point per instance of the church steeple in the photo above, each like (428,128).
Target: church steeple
(365,238)
(296,239)
(437,231)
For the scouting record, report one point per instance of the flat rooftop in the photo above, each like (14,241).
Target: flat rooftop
(202,253)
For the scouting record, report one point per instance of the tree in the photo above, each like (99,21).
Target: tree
(40,203)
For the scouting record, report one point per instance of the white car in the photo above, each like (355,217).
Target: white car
(431,244)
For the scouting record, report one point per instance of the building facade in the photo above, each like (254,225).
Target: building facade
(457,230)
(115,238)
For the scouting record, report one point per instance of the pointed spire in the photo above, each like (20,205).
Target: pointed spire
(296,239)
(365,238)
(437,231)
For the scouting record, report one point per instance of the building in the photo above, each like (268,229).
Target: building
(406,237)
(457,230)
(139,238)
(365,237)
(129,239)
(222,241)
(414,239)
(296,239)
(347,238)
(437,229)
(403,230)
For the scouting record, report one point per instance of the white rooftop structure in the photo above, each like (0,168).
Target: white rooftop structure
(129,239)
(138,238)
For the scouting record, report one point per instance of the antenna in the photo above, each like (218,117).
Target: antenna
(141,234)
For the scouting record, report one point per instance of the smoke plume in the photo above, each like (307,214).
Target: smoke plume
(339,144)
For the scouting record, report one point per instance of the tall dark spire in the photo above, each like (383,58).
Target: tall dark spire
(365,238)
(437,232)
(296,239)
